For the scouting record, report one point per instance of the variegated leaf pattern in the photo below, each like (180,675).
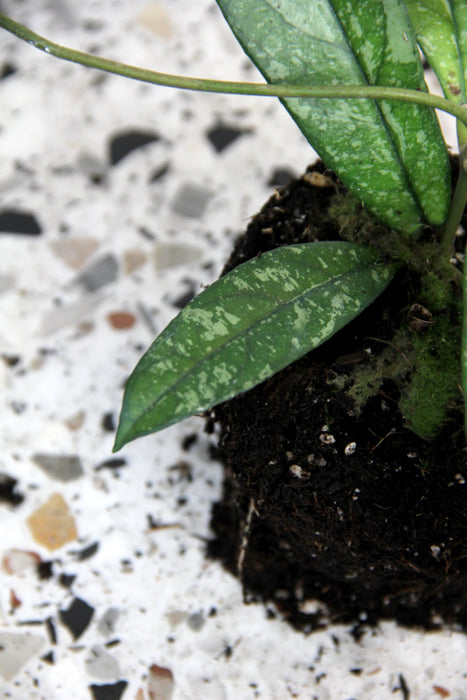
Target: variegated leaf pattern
(247,326)
(391,156)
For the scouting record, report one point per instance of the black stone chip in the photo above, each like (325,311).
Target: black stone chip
(183,299)
(108,422)
(77,617)
(11,360)
(112,463)
(159,173)
(45,570)
(113,691)
(52,632)
(127,141)
(221,136)
(49,658)
(280,177)
(87,552)
(13,221)
(7,69)
(8,493)
(66,580)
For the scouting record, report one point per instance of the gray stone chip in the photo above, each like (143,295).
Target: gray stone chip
(101,665)
(101,272)
(59,467)
(190,200)
(16,650)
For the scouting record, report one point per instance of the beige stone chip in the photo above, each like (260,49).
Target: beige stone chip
(52,525)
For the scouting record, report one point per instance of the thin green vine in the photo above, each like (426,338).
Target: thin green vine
(231,87)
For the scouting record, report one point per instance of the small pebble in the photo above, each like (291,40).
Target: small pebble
(77,617)
(60,317)
(6,282)
(133,259)
(176,617)
(100,273)
(185,297)
(74,252)
(12,221)
(350,448)
(86,552)
(108,422)
(167,255)
(75,421)
(8,492)
(106,624)
(222,136)
(16,650)
(196,621)
(101,665)
(59,467)
(92,167)
(155,17)
(280,177)
(297,471)
(52,525)
(125,142)
(121,320)
(160,683)
(327,439)
(7,69)
(15,602)
(19,561)
(190,200)
(112,691)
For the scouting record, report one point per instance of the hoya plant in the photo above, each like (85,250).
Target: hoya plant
(351,76)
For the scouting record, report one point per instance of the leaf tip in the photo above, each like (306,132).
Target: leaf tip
(121,437)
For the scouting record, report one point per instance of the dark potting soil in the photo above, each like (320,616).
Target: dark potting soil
(338,515)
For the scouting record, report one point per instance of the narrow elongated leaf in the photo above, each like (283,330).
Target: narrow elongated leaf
(392,157)
(459,13)
(247,326)
(384,44)
(438,34)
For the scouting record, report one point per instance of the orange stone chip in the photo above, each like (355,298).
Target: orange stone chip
(121,320)
(52,525)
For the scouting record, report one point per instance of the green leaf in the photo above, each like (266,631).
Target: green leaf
(391,156)
(459,13)
(247,326)
(438,34)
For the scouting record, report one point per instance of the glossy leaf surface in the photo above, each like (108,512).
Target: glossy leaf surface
(438,34)
(391,156)
(247,326)
(459,13)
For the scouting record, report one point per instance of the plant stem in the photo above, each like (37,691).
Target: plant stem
(231,87)
(456,212)
(459,199)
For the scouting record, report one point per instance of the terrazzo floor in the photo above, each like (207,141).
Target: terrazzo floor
(118,202)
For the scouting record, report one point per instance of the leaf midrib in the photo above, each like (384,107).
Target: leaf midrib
(223,345)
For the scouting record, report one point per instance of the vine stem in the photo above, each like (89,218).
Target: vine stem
(231,87)
(459,199)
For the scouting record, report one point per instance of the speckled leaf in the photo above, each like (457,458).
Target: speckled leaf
(247,326)
(438,35)
(391,156)
(459,13)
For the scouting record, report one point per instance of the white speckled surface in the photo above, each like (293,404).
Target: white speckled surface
(150,515)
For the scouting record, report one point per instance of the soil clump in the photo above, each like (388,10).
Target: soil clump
(336,511)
